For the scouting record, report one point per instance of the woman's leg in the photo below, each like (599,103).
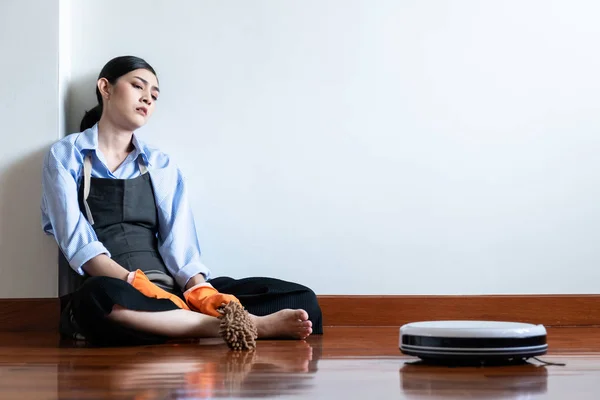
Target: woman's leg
(110,311)
(291,324)
(172,324)
(266,296)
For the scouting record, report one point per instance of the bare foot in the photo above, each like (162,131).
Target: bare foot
(289,324)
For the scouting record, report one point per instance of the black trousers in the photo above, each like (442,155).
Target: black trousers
(86,309)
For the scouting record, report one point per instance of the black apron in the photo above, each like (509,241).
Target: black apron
(124,216)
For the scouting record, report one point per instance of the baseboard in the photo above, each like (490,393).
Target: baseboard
(19,315)
(29,315)
(549,310)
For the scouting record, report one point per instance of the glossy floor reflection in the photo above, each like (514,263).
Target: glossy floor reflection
(350,363)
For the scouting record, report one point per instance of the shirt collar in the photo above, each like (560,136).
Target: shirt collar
(88,140)
(140,149)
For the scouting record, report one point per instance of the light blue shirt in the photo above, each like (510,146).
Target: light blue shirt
(61,217)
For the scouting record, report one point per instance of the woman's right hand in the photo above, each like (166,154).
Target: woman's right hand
(140,281)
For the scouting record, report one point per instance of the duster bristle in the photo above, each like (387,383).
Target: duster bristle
(237,329)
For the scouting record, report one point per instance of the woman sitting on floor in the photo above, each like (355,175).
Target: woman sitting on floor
(119,212)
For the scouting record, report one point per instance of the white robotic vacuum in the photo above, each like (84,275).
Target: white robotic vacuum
(473,341)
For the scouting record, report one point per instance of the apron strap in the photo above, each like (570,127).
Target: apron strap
(87,177)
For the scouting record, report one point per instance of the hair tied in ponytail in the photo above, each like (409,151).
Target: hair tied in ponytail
(91,118)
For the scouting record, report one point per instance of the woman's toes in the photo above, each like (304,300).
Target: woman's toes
(301,315)
(307,324)
(306,332)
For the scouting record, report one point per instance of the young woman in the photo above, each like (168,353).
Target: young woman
(119,212)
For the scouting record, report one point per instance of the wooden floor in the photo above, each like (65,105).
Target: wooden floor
(346,363)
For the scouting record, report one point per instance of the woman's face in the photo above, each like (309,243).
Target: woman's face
(131,100)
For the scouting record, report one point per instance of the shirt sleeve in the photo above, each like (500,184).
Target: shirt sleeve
(61,216)
(178,241)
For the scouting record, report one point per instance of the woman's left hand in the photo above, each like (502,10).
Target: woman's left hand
(204,298)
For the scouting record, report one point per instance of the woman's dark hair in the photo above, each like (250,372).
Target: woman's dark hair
(112,71)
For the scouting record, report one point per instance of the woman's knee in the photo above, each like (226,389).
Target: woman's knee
(312,302)
(97,295)
(92,305)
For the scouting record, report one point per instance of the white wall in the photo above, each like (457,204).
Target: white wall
(390,147)
(29,124)
(359,147)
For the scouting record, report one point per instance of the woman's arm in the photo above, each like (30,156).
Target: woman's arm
(178,241)
(194,280)
(61,216)
(102,265)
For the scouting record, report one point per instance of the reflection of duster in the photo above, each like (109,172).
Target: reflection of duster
(256,374)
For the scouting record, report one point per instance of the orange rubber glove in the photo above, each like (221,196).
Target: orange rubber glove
(204,298)
(140,281)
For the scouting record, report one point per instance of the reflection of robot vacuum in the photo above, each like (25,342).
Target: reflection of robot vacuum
(518,381)
(473,341)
